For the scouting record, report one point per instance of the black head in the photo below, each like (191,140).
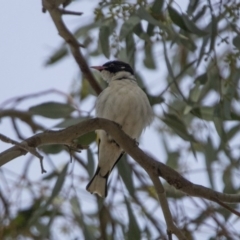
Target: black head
(117,66)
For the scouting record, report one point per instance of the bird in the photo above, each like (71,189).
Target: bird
(125,103)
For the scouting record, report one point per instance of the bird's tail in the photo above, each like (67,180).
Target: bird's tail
(98,184)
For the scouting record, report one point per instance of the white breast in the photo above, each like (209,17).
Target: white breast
(125,103)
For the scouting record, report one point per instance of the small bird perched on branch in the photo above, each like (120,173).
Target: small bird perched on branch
(125,103)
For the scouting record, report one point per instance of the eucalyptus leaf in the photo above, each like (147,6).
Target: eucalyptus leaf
(138,30)
(236,42)
(143,14)
(91,163)
(177,125)
(133,228)
(52,149)
(177,18)
(52,110)
(126,174)
(104,34)
(149,60)
(192,27)
(57,188)
(70,121)
(128,26)
(130,49)
(57,55)
(87,139)
(202,79)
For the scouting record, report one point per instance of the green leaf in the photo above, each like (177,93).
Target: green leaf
(177,18)
(227,180)
(57,188)
(77,212)
(156,10)
(187,42)
(195,93)
(59,183)
(192,27)
(52,149)
(91,163)
(206,113)
(155,99)
(133,228)
(144,15)
(128,26)
(52,110)
(214,32)
(138,30)
(178,126)
(236,42)
(57,55)
(202,79)
(148,58)
(83,30)
(104,34)
(172,160)
(70,121)
(210,157)
(130,49)
(202,49)
(126,174)
(157,7)
(233,131)
(87,139)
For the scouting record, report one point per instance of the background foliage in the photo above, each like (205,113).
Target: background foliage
(190,53)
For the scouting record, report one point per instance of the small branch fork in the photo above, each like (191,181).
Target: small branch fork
(56,15)
(25,147)
(155,169)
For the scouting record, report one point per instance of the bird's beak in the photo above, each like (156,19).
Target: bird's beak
(99,68)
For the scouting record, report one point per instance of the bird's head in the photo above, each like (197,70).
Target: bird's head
(115,70)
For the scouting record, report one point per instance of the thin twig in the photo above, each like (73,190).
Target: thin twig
(67,12)
(24,145)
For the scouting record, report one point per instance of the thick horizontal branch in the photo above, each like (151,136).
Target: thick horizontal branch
(66,136)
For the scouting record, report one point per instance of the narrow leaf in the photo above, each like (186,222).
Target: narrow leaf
(52,110)
(149,59)
(57,55)
(87,139)
(177,125)
(133,228)
(70,121)
(130,49)
(236,42)
(104,34)
(126,174)
(202,79)
(57,188)
(91,163)
(192,27)
(128,26)
(177,18)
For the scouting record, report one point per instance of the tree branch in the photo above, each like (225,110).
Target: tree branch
(22,115)
(171,227)
(66,136)
(56,15)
